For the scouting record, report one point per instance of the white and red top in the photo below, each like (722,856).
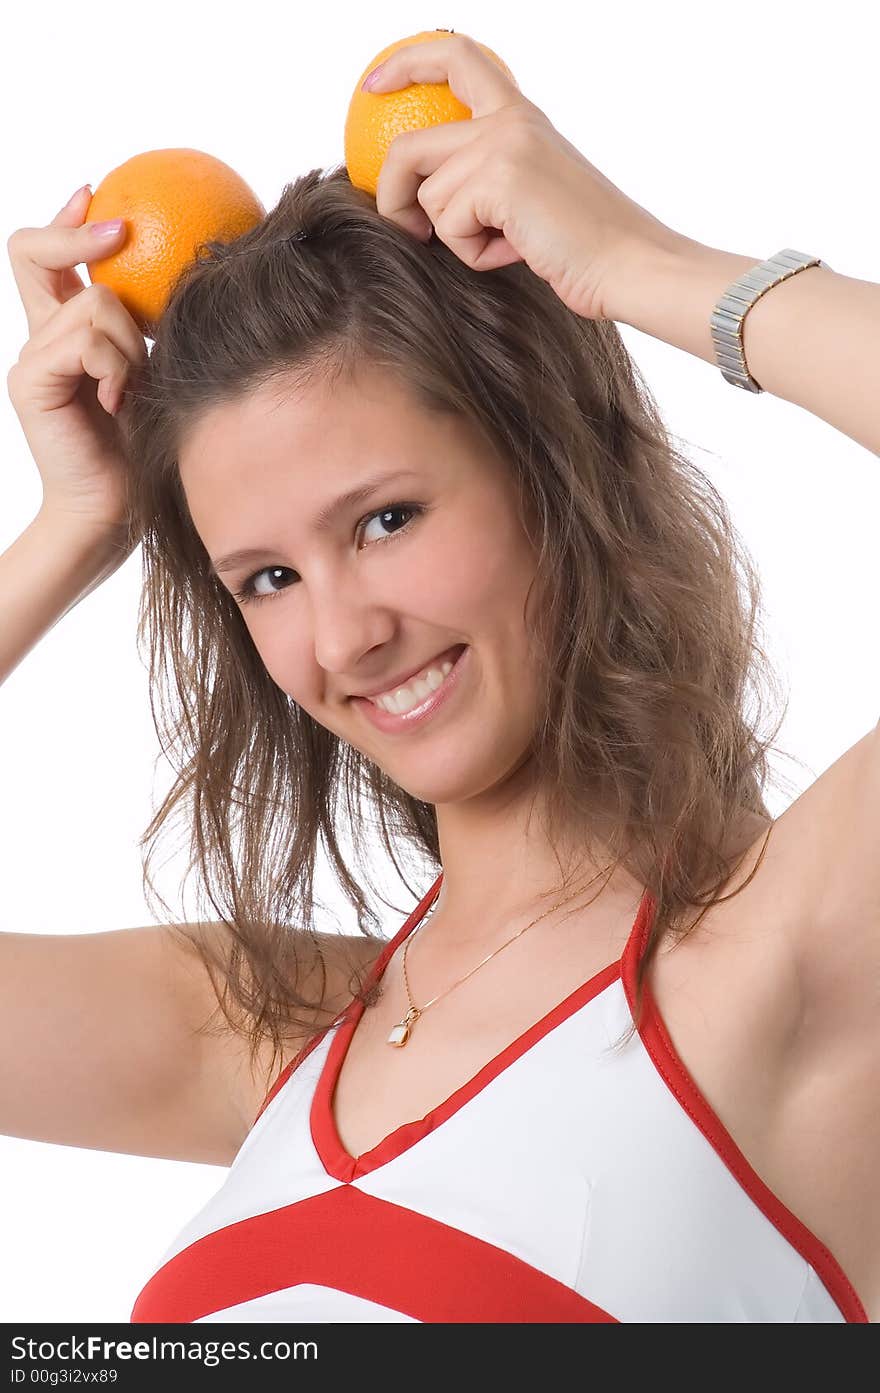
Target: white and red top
(564,1182)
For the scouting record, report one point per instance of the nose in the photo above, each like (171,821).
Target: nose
(347,624)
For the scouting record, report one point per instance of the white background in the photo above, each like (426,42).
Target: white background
(749,128)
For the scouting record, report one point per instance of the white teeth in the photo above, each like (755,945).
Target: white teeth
(416,691)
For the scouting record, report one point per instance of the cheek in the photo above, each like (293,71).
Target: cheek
(481,561)
(495,575)
(285,655)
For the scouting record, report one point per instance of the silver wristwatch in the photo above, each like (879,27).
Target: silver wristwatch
(726,323)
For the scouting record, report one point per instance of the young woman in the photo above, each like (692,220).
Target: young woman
(420,557)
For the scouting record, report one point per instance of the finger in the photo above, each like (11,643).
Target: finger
(412,157)
(68,282)
(41,255)
(47,380)
(467,230)
(103,310)
(72,215)
(41,260)
(473,76)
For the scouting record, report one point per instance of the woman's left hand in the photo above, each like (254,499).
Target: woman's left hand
(505,186)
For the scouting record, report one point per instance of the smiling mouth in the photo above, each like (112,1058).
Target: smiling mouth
(447,659)
(423,708)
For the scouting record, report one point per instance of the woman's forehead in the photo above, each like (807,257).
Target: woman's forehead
(359,421)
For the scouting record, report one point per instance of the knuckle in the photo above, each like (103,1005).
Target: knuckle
(16,383)
(522,125)
(97,297)
(521,143)
(508,167)
(14,241)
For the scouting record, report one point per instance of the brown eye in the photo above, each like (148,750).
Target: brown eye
(248,594)
(384,513)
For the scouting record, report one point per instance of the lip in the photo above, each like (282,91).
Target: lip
(403,678)
(391,724)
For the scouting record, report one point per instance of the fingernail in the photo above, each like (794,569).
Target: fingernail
(371,78)
(106,229)
(75,196)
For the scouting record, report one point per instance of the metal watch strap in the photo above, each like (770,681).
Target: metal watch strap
(726,323)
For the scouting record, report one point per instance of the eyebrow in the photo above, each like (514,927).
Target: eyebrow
(323,519)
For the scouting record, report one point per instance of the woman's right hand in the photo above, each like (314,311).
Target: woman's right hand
(83,348)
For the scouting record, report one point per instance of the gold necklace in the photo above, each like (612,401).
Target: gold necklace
(401,1032)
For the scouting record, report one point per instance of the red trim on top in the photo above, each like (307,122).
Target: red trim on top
(333,1155)
(672,1070)
(352,1242)
(375,971)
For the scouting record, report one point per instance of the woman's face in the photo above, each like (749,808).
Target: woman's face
(431,558)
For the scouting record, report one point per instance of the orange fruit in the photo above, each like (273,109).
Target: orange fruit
(172,201)
(375,118)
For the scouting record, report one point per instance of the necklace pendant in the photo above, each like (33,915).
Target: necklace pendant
(400,1033)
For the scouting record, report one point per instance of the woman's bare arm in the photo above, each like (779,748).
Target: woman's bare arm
(52,565)
(100,1043)
(99,1047)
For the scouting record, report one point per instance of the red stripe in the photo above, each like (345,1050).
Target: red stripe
(674,1073)
(375,972)
(355,1243)
(339,1163)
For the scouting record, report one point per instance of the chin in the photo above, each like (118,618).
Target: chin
(460,774)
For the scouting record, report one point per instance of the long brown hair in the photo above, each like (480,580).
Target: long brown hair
(648,603)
